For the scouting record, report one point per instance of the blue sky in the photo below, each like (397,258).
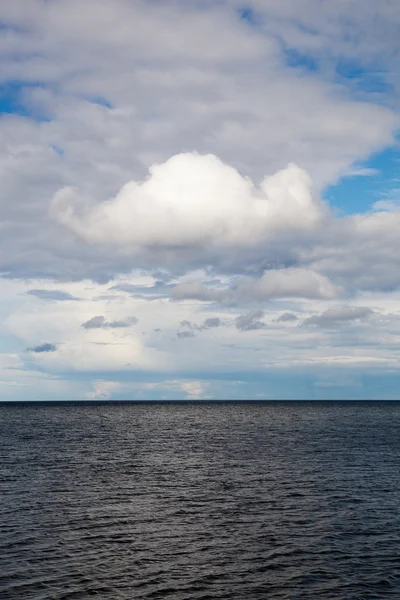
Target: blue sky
(199,200)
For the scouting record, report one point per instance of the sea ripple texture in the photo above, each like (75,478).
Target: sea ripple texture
(200,501)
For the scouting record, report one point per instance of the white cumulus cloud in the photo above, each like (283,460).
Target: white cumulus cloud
(194,200)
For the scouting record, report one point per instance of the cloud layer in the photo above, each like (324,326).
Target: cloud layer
(185,162)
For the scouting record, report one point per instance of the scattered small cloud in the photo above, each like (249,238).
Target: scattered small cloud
(209,323)
(47,347)
(103,390)
(286,317)
(250,321)
(160,289)
(185,334)
(363,172)
(197,291)
(94,323)
(186,323)
(54,295)
(342,314)
(100,322)
(194,390)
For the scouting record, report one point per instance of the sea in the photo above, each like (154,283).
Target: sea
(205,501)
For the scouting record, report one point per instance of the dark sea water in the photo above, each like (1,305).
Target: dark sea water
(225,501)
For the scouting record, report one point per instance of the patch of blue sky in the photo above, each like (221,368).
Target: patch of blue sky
(364,82)
(58,150)
(7,27)
(296,59)
(247,14)
(10,345)
(371,181)
(13,100)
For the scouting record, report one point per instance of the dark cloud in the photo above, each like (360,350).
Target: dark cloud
(121,323)
(43,348)
(186,323)
(209,323)
(250,321)
(56,295)
(94,323)
(286,317)
(100,322)
(185,334)
(336,316)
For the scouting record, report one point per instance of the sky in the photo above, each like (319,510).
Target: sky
(199,199)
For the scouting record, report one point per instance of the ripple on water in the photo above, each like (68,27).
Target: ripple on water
(120,502)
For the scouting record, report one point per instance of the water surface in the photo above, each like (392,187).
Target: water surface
(181,501)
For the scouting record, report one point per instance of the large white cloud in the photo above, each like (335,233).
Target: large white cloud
(195,201)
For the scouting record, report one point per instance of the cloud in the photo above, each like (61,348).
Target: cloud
(194,202)
(350,31)
(118,104)
(56,295)
(103,390)
(283,283)
(160,289)
(286,317)
(390,202)
(47,347)
(190,328)
(185,334)
(363,172)
(194,390)
(333,317)
(250,321)
(100,322)
(186,323)
(350,360)
(197,291)
(209,323)
(94,323)
(142,148)
(274,283)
